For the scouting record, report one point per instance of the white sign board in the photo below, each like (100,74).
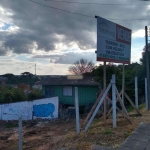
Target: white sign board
(113,42)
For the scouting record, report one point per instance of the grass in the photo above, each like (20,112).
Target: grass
(130,109)
(11,125)
(141,106)
(108,131)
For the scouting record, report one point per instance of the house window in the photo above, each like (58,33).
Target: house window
(67,90)
(49,90)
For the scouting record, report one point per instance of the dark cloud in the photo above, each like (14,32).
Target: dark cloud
(40,25)
(3,50)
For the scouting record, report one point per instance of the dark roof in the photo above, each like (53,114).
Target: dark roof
(88,81)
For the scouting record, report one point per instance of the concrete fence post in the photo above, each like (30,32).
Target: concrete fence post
(136,93)
(146,97)
(77,111)
(113,82)
(20,133)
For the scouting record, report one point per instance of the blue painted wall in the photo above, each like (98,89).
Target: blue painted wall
(44,110)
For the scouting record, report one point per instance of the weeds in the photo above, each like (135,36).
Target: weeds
(11,125)
(108,131)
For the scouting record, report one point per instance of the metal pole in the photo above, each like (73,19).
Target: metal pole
(35,69)
(77,111)
(123,80)
(20,133)
(136,93)
(146,98)
(113,82)
(105,103)
(147,68)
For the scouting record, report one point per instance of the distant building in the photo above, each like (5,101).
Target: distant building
(65,89)
(36,86)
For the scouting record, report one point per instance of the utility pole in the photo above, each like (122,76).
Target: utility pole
(147,65)
(35,69)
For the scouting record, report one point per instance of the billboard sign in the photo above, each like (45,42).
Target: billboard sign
(113,42)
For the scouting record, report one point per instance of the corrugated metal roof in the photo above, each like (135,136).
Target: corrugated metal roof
(64,81)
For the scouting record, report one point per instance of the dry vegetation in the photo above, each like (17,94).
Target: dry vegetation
(61,134)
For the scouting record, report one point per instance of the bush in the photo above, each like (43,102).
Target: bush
(35,94)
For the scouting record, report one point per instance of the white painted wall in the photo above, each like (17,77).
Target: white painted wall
(42,108)
(13,111)
(0,112)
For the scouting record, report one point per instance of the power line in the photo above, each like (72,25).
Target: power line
(93,3)
(62,10)
(83,14)
(82,3)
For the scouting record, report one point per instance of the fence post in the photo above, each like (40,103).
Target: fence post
(113,82)
(77,111)
(20,133)
(146,98)
(136,93)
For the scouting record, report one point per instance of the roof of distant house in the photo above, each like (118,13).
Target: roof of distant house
(62,80)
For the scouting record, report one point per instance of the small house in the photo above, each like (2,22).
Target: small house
(65,89)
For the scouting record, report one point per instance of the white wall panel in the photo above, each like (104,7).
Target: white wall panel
(0,112)
(13,111)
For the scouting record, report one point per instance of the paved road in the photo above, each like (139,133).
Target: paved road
(138,140)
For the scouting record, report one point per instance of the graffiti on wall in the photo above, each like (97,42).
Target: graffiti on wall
(13,110)
(41,108)
(44,110)
(25,111)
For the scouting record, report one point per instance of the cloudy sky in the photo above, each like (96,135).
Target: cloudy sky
(53,39)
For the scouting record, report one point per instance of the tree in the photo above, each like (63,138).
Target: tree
(27,74)
(8,75)
(35,94)
(143,59)
(81,67)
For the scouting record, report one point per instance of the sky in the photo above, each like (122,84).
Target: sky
(53,39)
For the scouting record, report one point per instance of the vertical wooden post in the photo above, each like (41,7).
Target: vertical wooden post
(20,133)
(123,80)
(97,107)
(136,93)
(105,103)
(77,111)
(113,81)
(146,97)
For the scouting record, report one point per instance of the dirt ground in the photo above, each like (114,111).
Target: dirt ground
(61,134)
